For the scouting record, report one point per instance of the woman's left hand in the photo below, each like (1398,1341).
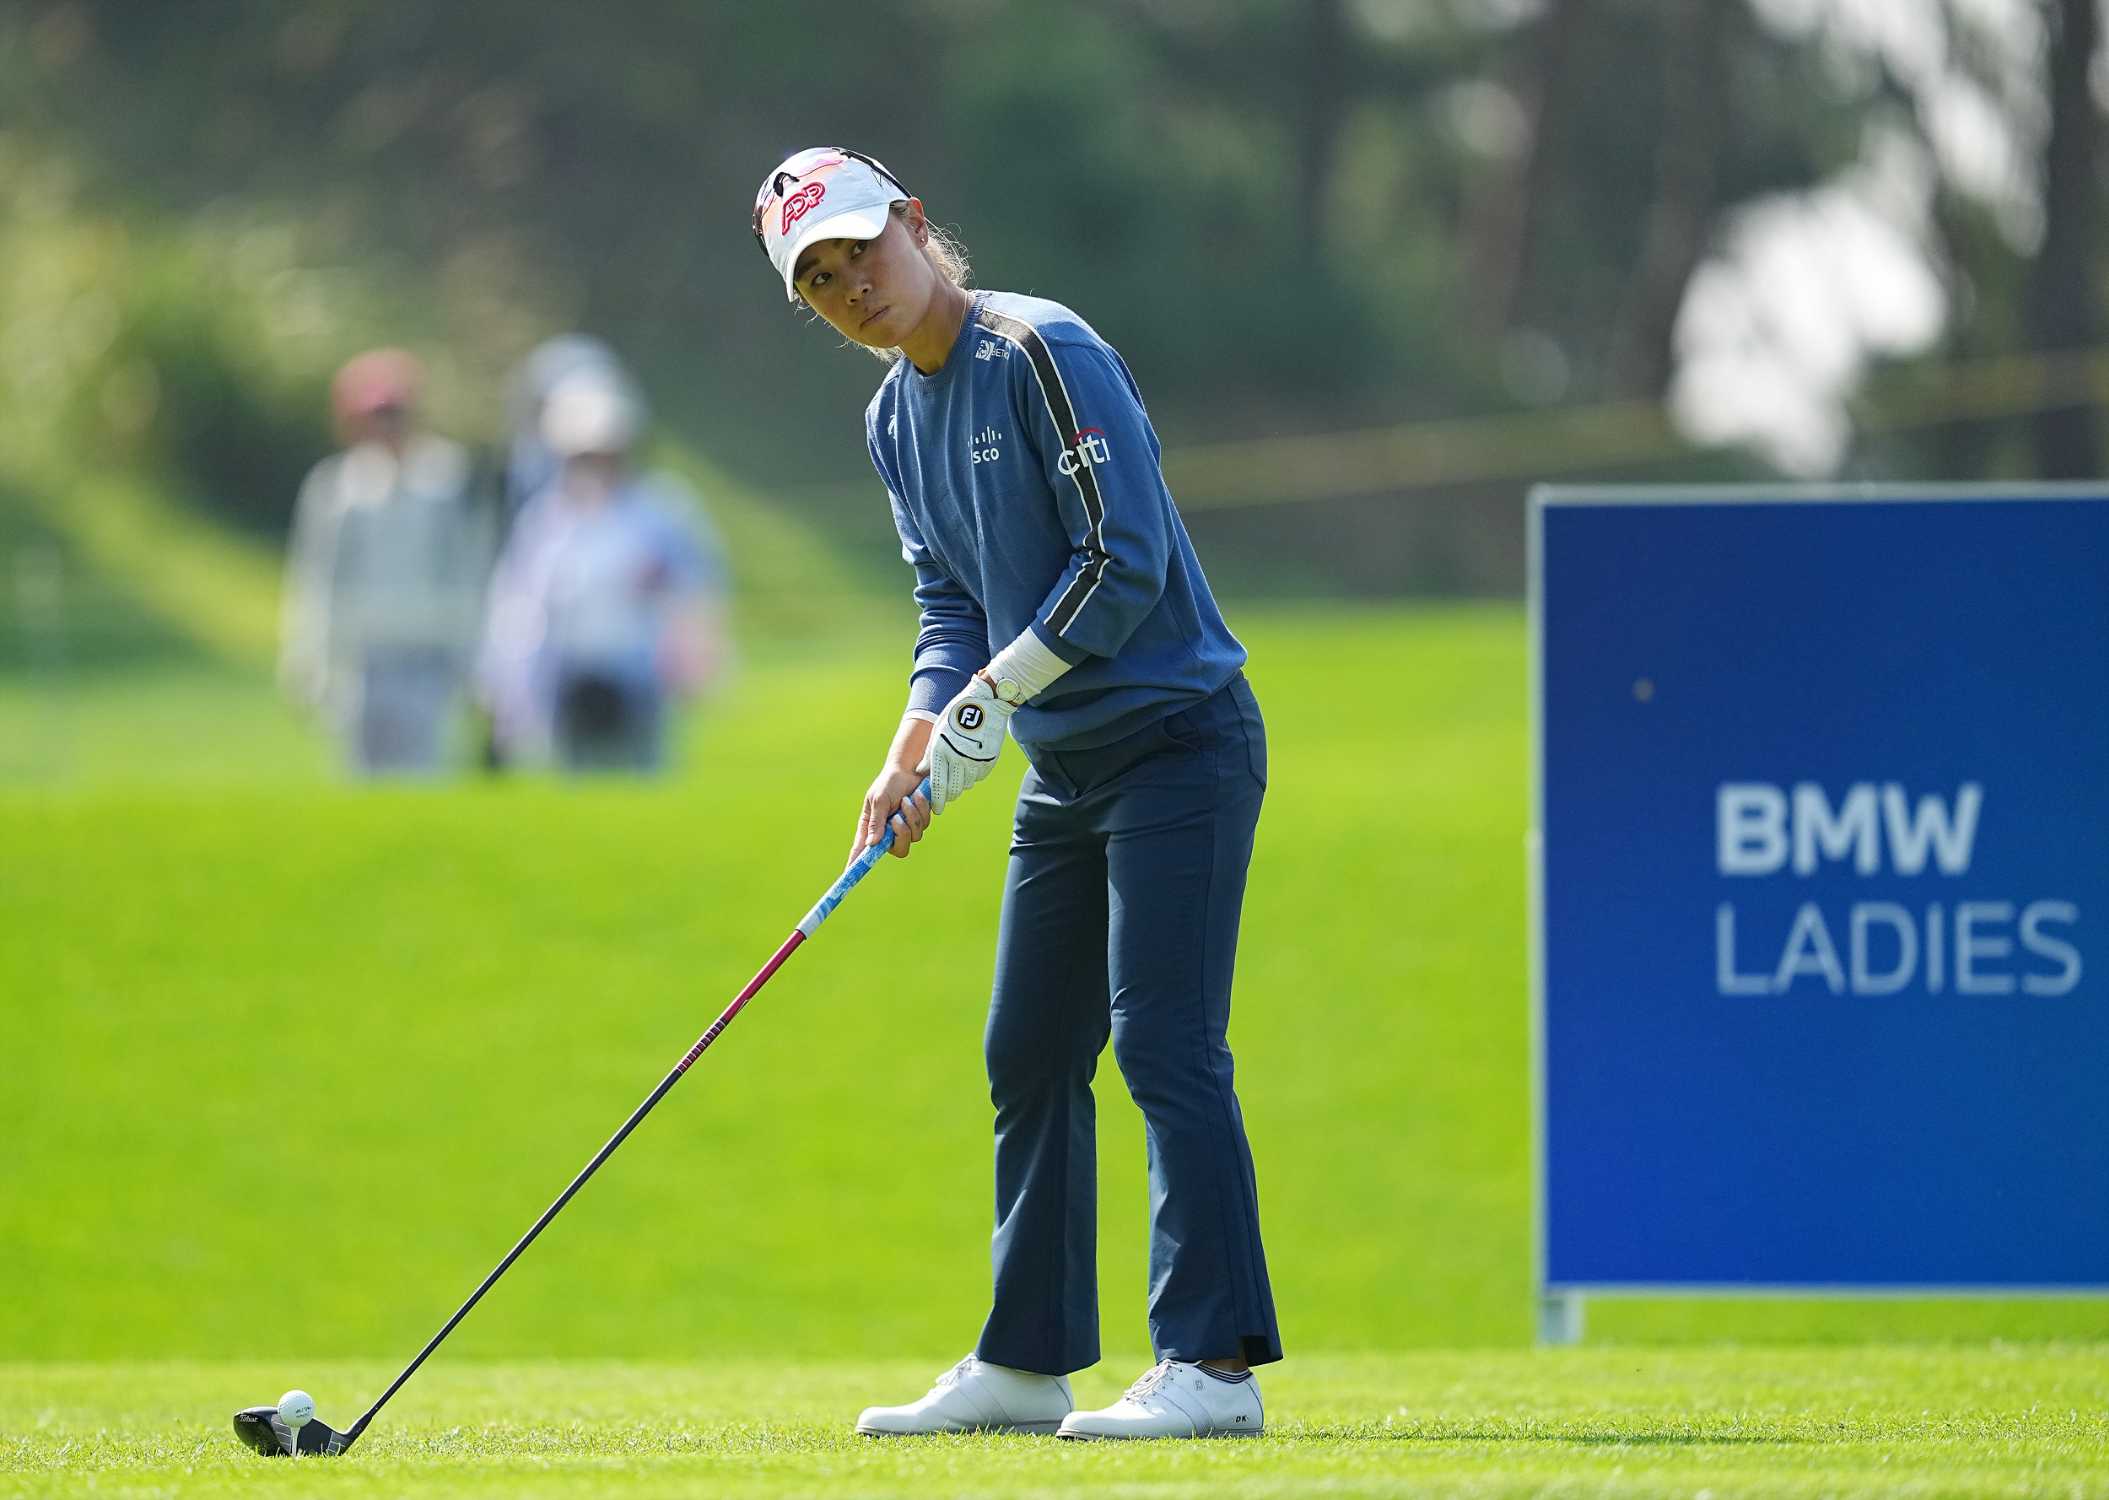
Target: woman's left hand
(969,737)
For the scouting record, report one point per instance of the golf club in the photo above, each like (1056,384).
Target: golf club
(274,1435)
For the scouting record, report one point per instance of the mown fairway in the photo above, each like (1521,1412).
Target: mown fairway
(1832,1422)
(291,1063)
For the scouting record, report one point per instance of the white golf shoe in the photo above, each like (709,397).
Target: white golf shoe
(974,1396)
(1176,1400)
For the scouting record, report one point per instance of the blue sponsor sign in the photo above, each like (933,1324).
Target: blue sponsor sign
(1822,889)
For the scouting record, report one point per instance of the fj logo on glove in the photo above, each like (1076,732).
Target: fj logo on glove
(969,716)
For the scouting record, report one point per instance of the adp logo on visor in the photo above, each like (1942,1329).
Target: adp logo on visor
(797,205)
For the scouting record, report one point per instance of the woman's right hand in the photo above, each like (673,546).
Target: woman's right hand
(893,798)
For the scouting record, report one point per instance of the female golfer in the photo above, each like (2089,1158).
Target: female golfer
(1060,598)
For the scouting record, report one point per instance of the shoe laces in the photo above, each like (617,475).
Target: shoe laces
(1151,1379)
(951,1376)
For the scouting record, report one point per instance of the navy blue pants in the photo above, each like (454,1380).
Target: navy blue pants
(1120,921)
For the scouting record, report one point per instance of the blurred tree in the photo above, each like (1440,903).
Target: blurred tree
(2064,295)
(1687,183)
(1291,215)
(1501,214)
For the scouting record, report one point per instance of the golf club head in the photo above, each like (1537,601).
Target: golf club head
(259,1427)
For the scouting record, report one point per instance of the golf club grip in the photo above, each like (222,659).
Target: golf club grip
(859,868)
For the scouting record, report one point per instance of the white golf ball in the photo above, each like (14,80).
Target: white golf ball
(295,1408)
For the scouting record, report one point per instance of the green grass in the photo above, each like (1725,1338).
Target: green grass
(291,1062)
(267,1018)
(2002,1421)
(443,999)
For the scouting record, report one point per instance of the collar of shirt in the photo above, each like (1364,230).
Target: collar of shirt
(955,359)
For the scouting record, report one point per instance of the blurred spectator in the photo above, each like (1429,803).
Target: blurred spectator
(608,597)
(384,576)
(530,466)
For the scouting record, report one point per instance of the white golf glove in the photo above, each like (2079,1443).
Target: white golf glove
(966,741)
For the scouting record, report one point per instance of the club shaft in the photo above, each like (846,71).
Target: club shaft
(716,1027)
(858,869)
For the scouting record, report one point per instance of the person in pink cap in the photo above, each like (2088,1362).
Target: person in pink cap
(1060,600)
(384,576)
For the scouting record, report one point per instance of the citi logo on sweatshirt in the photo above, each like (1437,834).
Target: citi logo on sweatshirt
(1086,451)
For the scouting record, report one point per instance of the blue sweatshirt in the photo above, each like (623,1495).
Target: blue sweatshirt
(1026,490)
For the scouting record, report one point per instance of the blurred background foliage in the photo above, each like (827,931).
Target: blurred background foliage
(1329,235)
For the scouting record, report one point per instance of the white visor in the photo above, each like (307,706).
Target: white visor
(826,195)
(588,411)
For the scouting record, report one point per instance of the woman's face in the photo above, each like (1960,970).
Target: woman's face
(387,424)
(590,478)
(872,292)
